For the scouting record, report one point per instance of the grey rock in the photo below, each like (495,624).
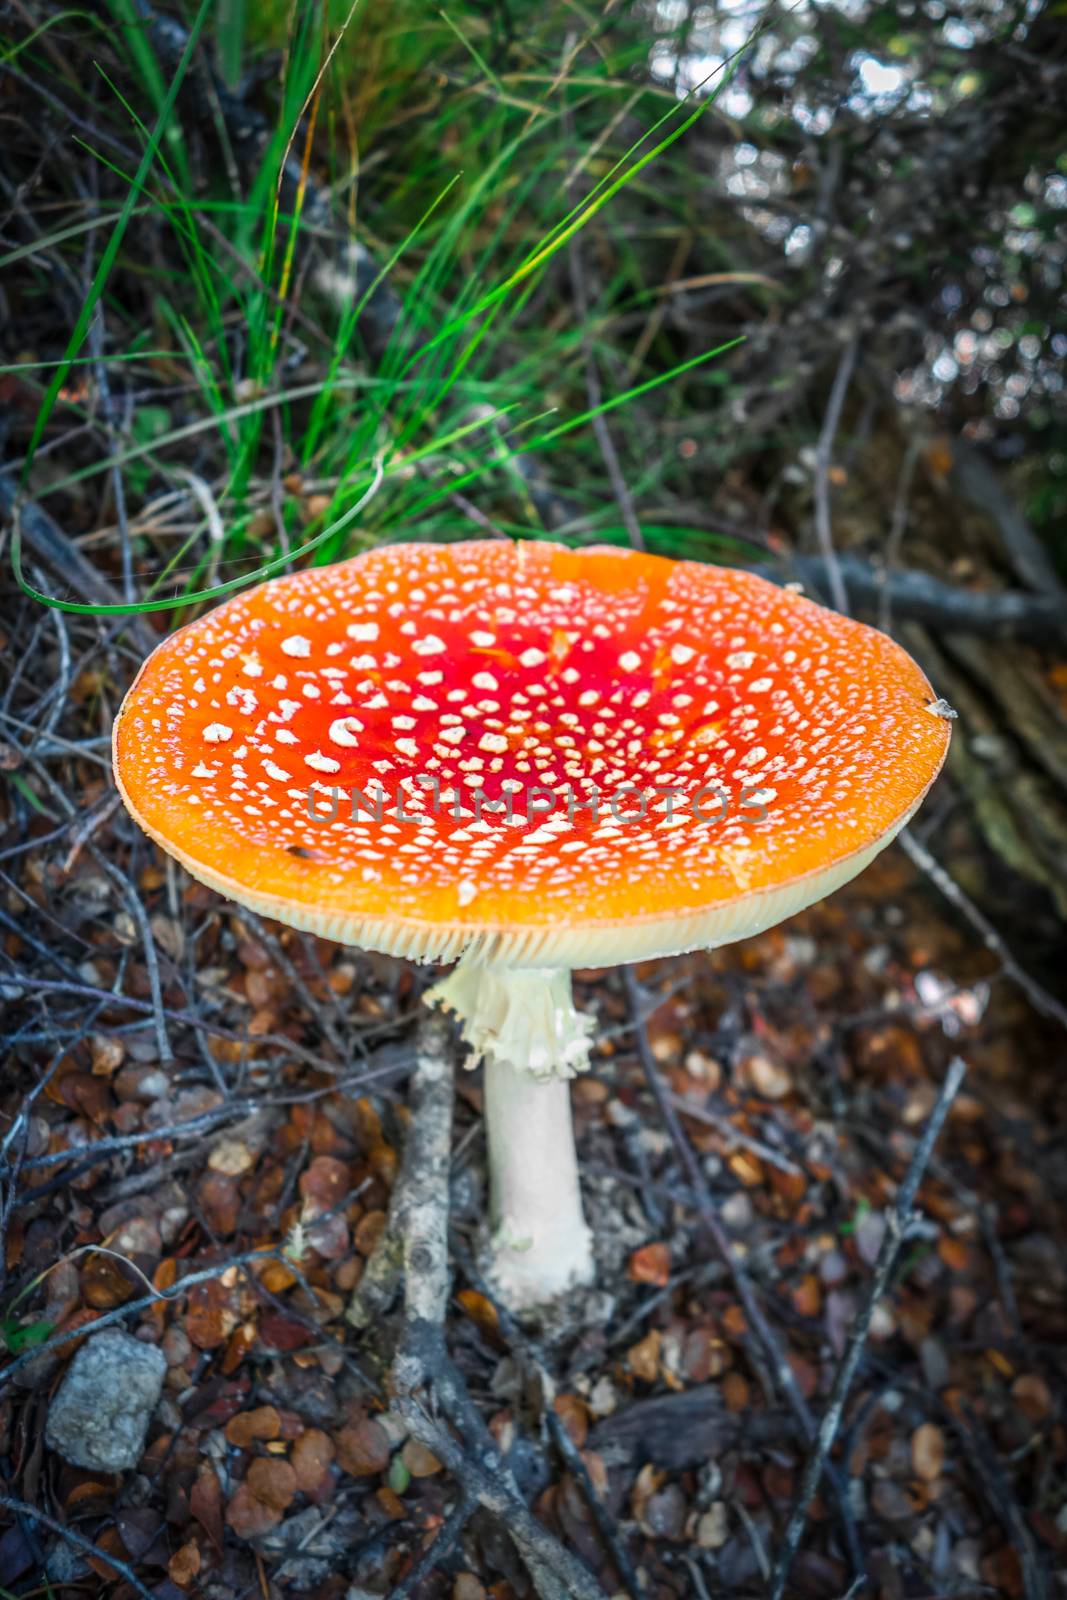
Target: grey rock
(100,1416)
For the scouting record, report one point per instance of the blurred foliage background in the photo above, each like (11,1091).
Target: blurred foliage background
(768,284)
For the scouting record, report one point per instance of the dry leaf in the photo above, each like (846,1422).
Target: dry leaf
(105,1283)
(325,1183)
(467,1587)
(807,1296)
(369,1230)
(363,1448)
(651,1264)
(311,1457)
(1031,1394)
(766,1077)
(231,1157)
(643,1358)
(262,1423)
(420,1462)
(205,1503)
(713,1529)
(273,1481)
(107,1054)
(735,1391)
(928,1451)
(482,1313)
(210,1318)
(574,1415)
(220,1200)
(184,1565)
(248,1516)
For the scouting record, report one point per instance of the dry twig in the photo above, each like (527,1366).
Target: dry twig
(900,1222)
(782,1374)
(421,1366)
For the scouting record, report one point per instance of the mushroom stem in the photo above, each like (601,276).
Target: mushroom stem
(541,1243)
(522,1022)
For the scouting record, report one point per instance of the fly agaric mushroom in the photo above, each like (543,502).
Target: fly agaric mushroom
(528,758)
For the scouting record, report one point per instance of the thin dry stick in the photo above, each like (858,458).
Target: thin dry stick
(439,1549)
(192,1020)
(899,1222)
(595,394)
(1037,995)
(86,1546)
(736,1136)
(419,1217)
(897,528)
(175,1292)
(823,453)
(979,1447)
(782,1373)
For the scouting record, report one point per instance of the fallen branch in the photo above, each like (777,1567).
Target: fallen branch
(530,1358)
(899,1224)
(1008,614)
(419,1222)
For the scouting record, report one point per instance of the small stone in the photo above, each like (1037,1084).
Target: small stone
(100,1415)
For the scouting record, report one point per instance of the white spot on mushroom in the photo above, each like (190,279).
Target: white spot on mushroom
(430,646)
(362,632)
(430,678)
(322,763)
(407,747)
(681,653)
(244,699)
(272,770)
(493,743)
(482,640)
(630,661)
(217,733)
(296,645)
(344,731)
(532,658)
(484,680)
(285,736)
(201,770)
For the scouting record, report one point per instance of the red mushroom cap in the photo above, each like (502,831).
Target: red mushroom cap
(796,741)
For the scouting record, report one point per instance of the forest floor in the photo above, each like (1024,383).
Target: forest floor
(203,1116)
(202,1120)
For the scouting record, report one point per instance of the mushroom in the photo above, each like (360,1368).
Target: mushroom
(526,758)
